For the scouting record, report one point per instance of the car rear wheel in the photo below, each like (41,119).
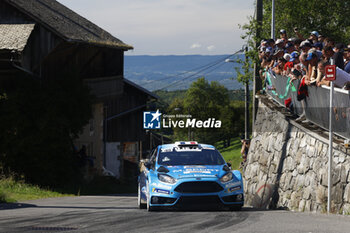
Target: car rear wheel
(139,200)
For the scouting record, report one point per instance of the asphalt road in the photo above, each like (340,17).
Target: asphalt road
(120,214)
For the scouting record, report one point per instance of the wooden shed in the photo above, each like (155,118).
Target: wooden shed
(45,39)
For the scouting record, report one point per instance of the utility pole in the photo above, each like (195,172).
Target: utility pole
(273,20)
(246,125)
(257,83)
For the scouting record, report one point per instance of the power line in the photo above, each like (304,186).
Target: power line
(214,68)
(200,71)
(189,71)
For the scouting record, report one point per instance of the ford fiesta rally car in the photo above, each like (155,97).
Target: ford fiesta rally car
(187,173)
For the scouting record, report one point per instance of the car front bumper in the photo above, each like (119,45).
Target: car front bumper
(193,192)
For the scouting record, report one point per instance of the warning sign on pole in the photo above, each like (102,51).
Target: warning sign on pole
(330,72)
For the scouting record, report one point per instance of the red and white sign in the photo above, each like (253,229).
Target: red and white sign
(330,72)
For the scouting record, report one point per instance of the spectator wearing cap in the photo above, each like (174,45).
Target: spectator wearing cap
(271,43)
(341,77)
(279,43)
(297,43)
(279,52)
(338,55)
(294,59)
(287,56)
(283,35)
(305,46)
(318,46)
(321,39)
(312,68)
(289,48)
(314,37)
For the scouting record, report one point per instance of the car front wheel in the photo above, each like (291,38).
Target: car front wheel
(139,200)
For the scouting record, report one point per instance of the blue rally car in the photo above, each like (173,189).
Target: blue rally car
(187,173)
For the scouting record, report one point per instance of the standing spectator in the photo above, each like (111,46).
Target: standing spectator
(328,42)
(297,43)
(338,55)
(279,44)
(327,53)
(314,37)
(245,149)
(320,38)
(283,35)
(347,60)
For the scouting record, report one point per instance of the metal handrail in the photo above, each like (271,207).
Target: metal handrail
(316,104)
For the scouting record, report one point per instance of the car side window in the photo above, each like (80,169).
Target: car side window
(153,158)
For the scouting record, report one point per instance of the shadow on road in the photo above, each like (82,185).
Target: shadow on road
(6,206)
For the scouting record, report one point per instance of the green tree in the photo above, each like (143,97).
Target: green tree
(329,18)
(205,100)
(232,117)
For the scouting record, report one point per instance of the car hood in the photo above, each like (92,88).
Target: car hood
(189,171)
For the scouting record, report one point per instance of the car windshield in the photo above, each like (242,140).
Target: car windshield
(204,157)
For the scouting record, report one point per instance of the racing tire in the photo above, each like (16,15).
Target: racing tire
(139,200)
(149,207)
(235,207)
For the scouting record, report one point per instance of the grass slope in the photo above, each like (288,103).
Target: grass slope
(13,191)
(231,154)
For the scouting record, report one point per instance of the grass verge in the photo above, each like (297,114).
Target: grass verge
(14,191)
(231,154)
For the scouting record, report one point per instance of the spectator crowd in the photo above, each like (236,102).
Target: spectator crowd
(306,58)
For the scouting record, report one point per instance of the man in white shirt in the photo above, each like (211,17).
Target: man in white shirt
(341,77)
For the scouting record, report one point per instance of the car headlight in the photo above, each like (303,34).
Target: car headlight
(166,179)
(226,177)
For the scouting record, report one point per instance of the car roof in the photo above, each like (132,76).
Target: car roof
(176,145)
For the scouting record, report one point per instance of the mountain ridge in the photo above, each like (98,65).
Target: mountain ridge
(155,72)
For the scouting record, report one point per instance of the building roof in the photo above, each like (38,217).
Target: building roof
(127,81)
(66,23)
(15,36)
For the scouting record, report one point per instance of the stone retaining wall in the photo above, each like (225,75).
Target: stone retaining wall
(287,166)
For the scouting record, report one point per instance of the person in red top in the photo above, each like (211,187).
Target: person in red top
(292,61)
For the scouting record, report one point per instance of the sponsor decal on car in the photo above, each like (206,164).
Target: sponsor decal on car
(160,185)
(155,190)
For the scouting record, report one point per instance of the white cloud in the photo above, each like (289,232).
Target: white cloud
(152,26)
(211,47)
(195,46)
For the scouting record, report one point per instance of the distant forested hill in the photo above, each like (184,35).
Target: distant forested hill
(178,72)
(169,96)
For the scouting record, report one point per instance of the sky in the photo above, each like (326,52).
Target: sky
(170,27)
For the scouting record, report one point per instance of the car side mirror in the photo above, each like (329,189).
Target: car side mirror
(229,165)
(148,165)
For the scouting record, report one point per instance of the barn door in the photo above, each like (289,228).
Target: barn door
(113,158)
